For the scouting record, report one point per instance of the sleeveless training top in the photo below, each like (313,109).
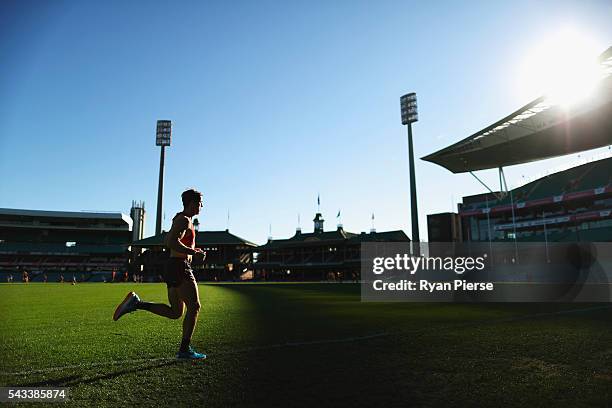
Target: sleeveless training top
(189,238)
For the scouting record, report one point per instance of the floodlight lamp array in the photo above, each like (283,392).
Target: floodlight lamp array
(408,105)
(163,135)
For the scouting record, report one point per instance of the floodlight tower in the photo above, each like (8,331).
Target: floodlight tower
(408,105)
(162,138)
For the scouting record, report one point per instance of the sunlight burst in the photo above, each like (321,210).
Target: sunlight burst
(563,67)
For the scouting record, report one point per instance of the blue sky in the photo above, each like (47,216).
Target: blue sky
(272,103)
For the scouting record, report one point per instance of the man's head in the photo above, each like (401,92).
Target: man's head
(192,202)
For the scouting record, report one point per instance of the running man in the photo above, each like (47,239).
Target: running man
(182,286)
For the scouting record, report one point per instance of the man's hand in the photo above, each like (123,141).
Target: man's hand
(199,254)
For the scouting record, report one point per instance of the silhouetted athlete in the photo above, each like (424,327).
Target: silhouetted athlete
(182,286)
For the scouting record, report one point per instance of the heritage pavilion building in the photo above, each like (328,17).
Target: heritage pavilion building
(318,255)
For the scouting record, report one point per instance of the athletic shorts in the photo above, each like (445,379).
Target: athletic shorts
(178,270)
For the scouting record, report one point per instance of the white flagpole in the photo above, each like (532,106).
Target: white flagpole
(489,227)
(545,237)
(514,227)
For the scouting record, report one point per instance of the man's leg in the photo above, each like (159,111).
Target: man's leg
(174,311)
(132,303)
(188,293)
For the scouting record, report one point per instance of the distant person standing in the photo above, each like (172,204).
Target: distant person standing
(182,286)
(25,277)
(45,278)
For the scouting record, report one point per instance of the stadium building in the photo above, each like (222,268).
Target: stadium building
(228,257)
(571,205)
(56,244)
(319,255)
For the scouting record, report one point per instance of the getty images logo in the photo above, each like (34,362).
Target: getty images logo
(412,264)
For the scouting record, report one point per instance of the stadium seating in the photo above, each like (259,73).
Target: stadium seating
(585,177)
(61,248)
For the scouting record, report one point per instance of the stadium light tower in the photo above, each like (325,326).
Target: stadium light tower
(162,138)
(408,105)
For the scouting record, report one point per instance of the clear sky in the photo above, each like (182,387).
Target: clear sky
(273,102)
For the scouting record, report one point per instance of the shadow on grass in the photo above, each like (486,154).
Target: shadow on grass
(73,380)
(434,353)
(338,357)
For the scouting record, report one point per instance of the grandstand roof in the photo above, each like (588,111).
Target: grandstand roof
(339,235)
(65,214)
(537,131)
(202,238)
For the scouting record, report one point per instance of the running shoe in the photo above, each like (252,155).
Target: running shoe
(127,306)
(190,354)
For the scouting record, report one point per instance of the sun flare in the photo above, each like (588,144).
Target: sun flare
(563,67)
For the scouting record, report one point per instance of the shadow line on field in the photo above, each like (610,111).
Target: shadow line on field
(83,379)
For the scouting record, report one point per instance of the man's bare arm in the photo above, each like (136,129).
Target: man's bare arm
(173,240)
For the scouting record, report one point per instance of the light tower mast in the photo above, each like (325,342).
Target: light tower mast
(408,104)
(162,138)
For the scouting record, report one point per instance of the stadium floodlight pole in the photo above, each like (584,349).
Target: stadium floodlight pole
(162,138)
(408,105)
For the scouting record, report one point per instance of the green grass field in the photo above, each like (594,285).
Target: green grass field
(304,345)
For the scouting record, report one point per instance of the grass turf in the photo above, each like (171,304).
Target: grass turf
(304,345)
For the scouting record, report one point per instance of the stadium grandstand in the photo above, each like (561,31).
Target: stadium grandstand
(572,205)
(567,206)
(228,257)
(56,245)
